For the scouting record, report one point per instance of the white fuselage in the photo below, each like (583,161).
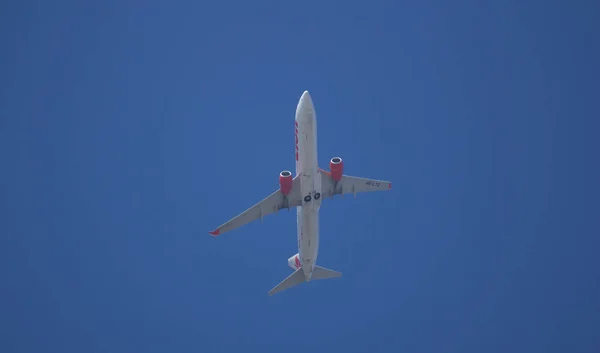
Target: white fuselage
(307,165)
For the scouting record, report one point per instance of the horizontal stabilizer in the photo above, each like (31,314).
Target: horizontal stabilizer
(292,280)
(324,273)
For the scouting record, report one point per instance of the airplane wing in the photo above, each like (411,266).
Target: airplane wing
(270,204)
(350,185)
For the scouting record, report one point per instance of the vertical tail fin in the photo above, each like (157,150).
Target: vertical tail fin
(292,280)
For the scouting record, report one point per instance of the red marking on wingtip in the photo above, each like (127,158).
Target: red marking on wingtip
(390,186)
(214,233)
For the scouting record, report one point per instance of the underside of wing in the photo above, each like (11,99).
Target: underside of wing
(351,185)
(270,204)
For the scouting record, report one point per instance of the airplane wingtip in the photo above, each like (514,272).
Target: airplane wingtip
(215,232)
(390,186)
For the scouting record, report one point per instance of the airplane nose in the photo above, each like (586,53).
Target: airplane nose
(306,99)
(305,109)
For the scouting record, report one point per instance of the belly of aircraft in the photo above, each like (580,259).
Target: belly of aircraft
(309,240)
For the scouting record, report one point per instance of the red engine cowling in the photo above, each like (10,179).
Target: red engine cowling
(336,166)
(285,182)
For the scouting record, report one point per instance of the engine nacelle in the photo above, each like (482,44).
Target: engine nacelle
(336,166)
(294,262)
(285,182)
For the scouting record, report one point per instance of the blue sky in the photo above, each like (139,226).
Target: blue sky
(128,130)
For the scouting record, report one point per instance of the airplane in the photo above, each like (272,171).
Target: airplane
(305,191)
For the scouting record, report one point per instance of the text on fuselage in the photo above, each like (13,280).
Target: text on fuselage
(296,135)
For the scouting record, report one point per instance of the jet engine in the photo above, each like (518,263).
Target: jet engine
(285,182)
(336,166)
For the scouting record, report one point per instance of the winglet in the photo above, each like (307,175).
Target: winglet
(215,232)
(390,186)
